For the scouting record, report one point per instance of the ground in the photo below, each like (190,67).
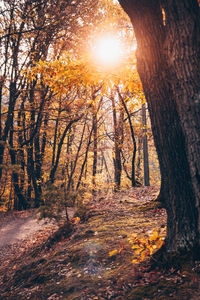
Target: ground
(94,261)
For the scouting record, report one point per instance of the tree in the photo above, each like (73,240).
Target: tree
(30,31)
(167,34)
(49,127)
(145,146)
(118,142)
(133,180)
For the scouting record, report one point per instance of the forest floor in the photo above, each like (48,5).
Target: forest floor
(95,260)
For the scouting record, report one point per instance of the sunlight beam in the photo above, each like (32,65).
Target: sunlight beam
(108,51)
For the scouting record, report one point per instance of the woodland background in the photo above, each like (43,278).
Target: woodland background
(69,125)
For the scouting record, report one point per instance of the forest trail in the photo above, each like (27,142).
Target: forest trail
(19,229)
(20,226)
(80,267)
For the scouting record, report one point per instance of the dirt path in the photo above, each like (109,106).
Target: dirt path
(17,227)
(20,229)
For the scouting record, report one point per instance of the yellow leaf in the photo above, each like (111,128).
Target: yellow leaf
(135,247)
(159,243)
(135,261)
(138,251)
(112,253)
(154,236)
(144,255)
(76,220)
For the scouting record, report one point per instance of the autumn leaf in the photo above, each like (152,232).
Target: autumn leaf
(76,220)
(144,246)
(138,251)
(112,253)
(135,261)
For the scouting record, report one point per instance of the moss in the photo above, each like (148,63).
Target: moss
(149,206)
(32,273)
(161,290)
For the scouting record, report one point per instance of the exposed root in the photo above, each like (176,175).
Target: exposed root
(64,231)
(179,261)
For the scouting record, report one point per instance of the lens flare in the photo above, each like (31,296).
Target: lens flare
(108,51)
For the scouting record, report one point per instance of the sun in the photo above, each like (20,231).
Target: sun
(108,51)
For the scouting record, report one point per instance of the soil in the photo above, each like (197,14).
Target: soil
(19,226)
(95,260)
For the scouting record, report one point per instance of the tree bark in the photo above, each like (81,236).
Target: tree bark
(166,58)
(94,165)
(20,201)
(182,47)
(76,158)
(60,144)
(133,181)
(85,159)
(118,140)
(145,147)
(55,134)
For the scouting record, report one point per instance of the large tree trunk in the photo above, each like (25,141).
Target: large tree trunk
(182,43)
(169,82)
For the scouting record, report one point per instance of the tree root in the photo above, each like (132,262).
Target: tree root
(177,260)
(64,231)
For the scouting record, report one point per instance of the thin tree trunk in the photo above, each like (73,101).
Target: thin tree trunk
(85,160)
(133,181)
(76,158)
(145,147)
(9,121)
(55,135)
(21,156)
(20,202)
(138,164)
(60,144)
(38,167)
(118,138)
(106,167)
(94,166)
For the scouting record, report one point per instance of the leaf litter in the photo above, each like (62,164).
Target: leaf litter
(104,257)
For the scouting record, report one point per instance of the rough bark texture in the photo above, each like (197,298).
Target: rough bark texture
(167,65)
(182,44)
